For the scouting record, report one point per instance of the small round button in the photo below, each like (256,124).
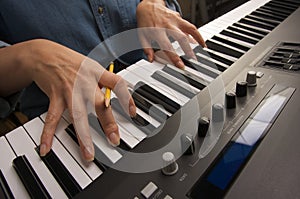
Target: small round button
(100,10)
(251,78)
(217,113)
(169,163)
(203,126)
(230,100)
(241,89)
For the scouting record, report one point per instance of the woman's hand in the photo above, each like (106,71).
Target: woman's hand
(71,81)
(162,23)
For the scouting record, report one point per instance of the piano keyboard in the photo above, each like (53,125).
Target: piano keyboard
(159,92)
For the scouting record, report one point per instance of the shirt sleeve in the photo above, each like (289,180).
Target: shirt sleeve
(173,5)
(8,104)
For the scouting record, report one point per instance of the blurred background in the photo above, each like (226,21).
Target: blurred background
(200,12)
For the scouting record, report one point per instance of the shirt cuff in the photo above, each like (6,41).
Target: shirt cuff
(3,44)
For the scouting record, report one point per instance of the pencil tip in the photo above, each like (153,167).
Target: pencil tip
(107,102)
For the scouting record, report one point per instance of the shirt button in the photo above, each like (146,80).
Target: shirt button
(100,10)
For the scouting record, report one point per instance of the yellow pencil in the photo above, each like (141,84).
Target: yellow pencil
(107,91)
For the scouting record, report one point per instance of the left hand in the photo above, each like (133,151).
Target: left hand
(162,23)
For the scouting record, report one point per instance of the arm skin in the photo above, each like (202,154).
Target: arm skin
(154,13)
(59,71)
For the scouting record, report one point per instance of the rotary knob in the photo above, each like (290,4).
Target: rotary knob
(203,126)
(169,163)
(217,113)
(251,78)
(241,89)
(230,100)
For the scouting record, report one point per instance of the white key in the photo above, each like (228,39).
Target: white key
(129,127)
(6,158)
(101,143)
(109,151)
(23,145)
(133,77)
(129,139)
(34,129)
(212,59)
(71,146)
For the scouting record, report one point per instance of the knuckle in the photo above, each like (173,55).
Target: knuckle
(111,127)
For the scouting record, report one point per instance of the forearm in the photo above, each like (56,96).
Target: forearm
(13,74)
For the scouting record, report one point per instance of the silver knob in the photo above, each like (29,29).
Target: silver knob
(169,163)
(251,78)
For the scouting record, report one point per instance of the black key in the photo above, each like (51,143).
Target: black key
(246,32)
(138,121)
(239,37)
(186,76)
(264,20)
(281,6)
(252,28)
(151,109)
(212,72)
(30,179)
(96,125)
(207,61)
(61,174)
(268,15)
(163,78)
(223,49)
(98,153)
(156,97)
(256,23)
(271,12)
(278,10)
(5,191)
(286,3)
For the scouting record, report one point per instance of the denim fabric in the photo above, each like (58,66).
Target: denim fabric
(78,24)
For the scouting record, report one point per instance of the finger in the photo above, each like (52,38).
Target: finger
(52,119)
(167,47)
(183,41)
(119,86)
(191,29)
(78,114)
(106,119)
(148,50)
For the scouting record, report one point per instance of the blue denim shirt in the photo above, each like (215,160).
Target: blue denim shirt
(79,25)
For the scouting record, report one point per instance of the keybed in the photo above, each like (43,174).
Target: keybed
(159,91)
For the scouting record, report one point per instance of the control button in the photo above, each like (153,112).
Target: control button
(259,74)
(149,189)
(169,163)
(168,197)
(100,10)
(187,144)
(251,78)
(203,126)
(217,113)
(230,100)
(241,89)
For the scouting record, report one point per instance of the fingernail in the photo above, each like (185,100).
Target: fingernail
(43,149)
(180,64)
(205,46)
(132,111)
(114,140)
(149,58)
(88,154)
